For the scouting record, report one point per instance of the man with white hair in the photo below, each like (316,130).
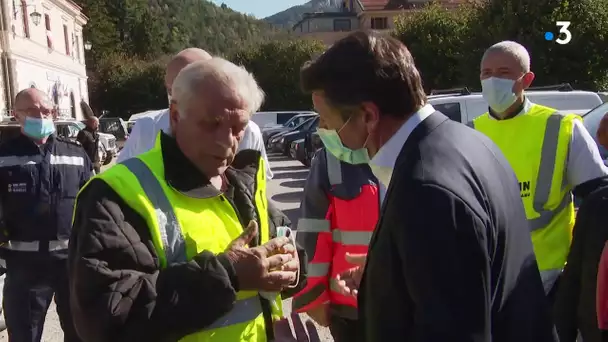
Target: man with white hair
(179,242)
(551,153)
(143,135)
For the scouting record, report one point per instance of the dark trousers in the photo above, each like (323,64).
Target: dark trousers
(28,290)
(346,330)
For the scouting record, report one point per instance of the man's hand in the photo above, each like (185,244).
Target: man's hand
(320,314)
(261,268)
(283,333)
(347,282)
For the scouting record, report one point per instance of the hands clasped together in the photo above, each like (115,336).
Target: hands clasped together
(272,266)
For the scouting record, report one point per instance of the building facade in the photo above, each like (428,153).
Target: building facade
(43,48)
(379,15)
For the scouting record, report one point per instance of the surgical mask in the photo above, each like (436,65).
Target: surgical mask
(498,92)
(38,128)
(333,144)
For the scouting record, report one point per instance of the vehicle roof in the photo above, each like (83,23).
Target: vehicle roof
(535,92)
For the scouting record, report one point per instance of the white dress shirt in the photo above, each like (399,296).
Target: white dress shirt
(383,163)
(145,130)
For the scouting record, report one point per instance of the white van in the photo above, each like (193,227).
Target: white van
(269,119)
(464,106)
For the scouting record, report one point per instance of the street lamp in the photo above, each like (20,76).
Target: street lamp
(36,16)
(88,45)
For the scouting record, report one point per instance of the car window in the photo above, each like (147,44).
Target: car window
(591,120)
(282,118)
(451,110)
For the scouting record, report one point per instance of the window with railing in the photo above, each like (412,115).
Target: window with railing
(49,36)
(341,25)
(25,19)
(380,23)
(67,39)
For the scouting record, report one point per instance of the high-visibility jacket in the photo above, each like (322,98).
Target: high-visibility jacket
(339,213)
(536,145)
(175,219)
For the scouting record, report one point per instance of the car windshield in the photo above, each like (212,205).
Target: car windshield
(591,120)
(80,125)
(302,125)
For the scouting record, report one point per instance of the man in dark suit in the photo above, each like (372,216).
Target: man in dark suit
(451,258)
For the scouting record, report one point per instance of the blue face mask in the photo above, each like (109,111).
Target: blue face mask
(333,144)
(38,128)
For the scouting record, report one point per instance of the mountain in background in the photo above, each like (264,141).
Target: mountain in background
(289,17)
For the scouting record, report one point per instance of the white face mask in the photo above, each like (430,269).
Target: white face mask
(498,92)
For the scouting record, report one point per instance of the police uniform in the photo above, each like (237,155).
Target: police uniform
(38,187)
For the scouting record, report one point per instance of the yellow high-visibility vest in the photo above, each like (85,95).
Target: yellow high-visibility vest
(536,145)
(175,220)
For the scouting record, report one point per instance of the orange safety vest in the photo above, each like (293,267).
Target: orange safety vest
(347,228)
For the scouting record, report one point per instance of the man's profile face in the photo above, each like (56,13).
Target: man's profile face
(352,133)
(214,123)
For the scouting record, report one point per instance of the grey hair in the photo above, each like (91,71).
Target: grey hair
(236,78)
(514,50)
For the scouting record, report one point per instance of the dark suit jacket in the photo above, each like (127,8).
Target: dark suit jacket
(451,259)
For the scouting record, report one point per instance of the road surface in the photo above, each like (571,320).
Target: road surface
(285,190)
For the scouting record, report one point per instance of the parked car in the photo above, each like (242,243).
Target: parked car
(270,119)
(273,142)
(67,129)
(269,132)
(312,143)
(463,106)
(297,152)
(591,120)
(117,127)
(70,128)
(285,142)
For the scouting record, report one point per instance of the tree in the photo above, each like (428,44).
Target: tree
(276,66)
(581,62)
(436,37)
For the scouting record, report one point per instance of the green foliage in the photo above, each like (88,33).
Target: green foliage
(448,45)
(276,66)
(436,36)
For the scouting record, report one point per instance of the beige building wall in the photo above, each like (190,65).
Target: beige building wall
(49,56)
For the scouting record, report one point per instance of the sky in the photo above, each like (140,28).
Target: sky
(260,8)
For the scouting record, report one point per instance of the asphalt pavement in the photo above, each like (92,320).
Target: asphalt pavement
(285,189)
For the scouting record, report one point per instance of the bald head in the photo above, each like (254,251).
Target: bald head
(180,61)
(28,96)
(92,123)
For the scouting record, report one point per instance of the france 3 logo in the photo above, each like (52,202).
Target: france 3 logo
(563,36)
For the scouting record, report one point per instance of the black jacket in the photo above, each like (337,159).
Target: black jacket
(451,258)
(574,307)
(118,292)
(89,141)
(38,187)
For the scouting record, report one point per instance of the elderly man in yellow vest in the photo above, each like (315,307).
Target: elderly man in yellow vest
(551,153)
(159,252)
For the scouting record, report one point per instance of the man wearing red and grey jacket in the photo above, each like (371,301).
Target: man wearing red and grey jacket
(339,213)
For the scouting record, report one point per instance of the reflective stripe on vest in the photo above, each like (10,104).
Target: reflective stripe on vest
(334,169)
(244,310)
(548,157)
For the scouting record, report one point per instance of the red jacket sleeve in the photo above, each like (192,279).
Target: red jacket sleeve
(314,235)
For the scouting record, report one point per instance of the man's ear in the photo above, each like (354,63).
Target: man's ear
(174,115)
(527,80)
